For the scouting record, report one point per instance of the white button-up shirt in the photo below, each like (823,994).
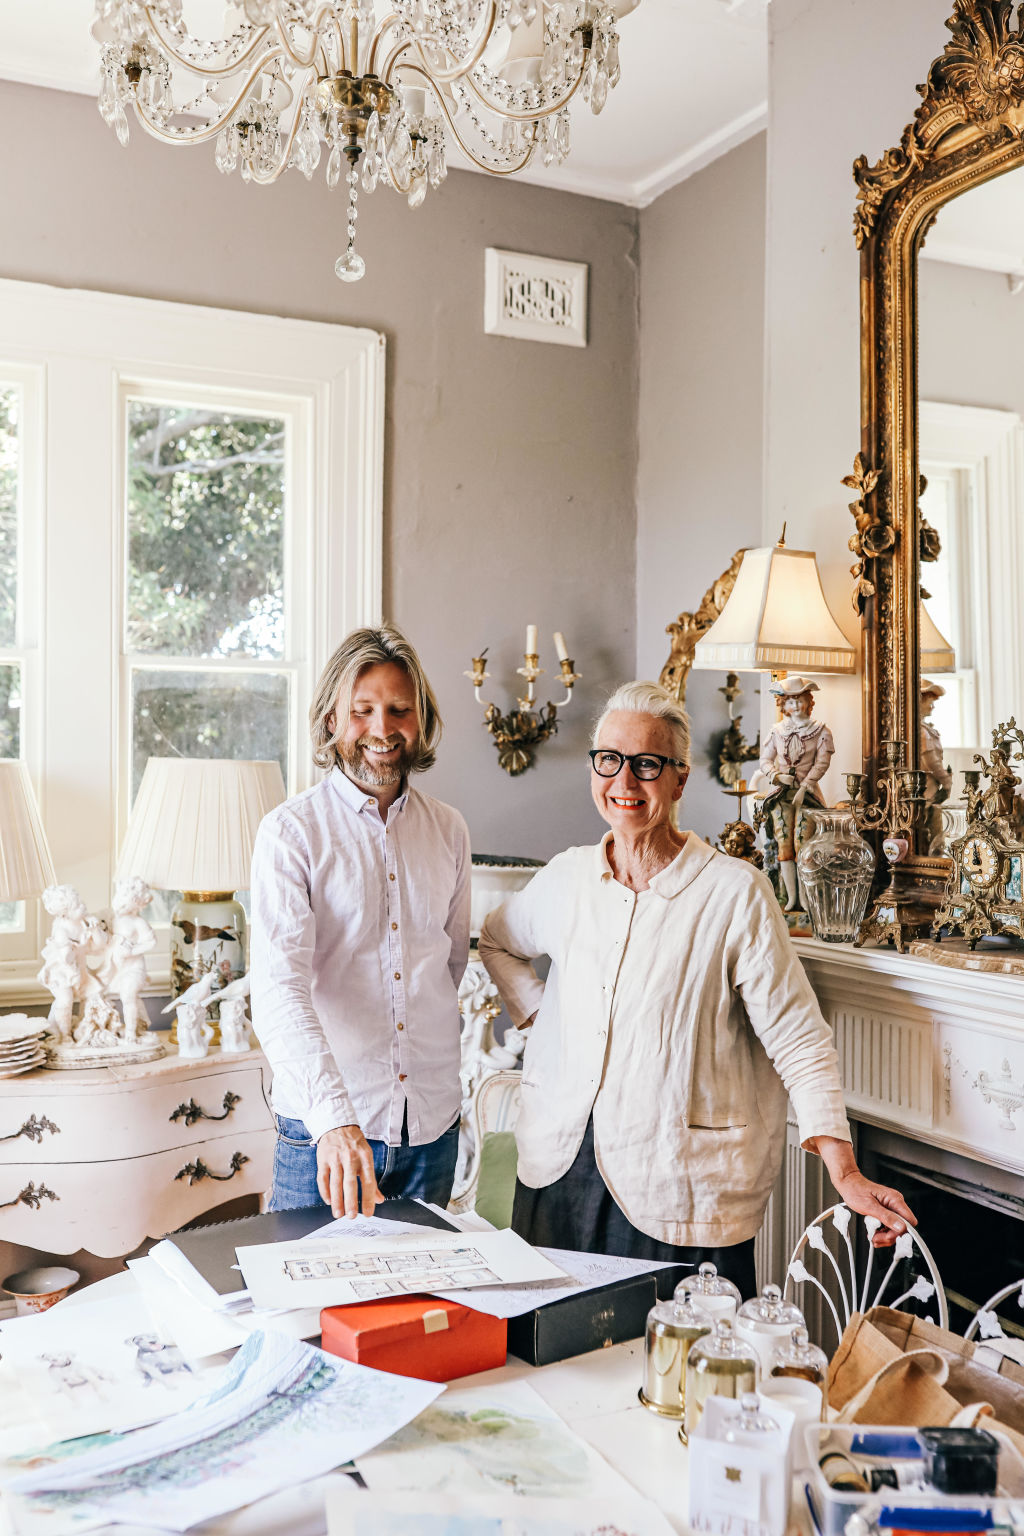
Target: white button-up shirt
(360,936)
(679,1017)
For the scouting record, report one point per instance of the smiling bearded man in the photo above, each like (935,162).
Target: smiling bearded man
(360,936)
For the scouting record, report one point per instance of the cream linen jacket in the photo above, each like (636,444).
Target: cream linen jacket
(680,1017)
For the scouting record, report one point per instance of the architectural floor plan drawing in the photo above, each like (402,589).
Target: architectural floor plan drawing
(331,1271)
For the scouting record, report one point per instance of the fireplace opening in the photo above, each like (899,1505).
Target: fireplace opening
(970,1214)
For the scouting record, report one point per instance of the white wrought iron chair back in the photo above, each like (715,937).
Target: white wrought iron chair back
(987,1327)
(845,1289)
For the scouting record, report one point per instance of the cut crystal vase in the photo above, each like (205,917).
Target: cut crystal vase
(836,867)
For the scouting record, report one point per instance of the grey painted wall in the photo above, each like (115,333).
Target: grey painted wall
(511,466)
(700,427)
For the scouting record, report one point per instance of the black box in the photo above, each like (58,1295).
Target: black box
(576,1324)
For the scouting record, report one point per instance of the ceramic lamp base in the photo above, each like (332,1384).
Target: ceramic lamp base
(207,934)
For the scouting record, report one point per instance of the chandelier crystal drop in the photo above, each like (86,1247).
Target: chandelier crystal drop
(375,90)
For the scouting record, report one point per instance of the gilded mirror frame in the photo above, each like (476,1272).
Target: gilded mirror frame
(968,129)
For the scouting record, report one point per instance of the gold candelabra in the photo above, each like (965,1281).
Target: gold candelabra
(897,913)
(518,733)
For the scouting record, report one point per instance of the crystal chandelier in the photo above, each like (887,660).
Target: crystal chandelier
(381,88)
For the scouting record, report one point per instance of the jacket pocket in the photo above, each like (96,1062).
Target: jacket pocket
(722,1094)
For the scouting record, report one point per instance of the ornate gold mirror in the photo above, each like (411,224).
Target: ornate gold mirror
(939,397)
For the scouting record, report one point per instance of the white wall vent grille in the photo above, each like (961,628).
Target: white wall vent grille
(535,298)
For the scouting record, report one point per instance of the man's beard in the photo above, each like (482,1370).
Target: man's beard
(360,765)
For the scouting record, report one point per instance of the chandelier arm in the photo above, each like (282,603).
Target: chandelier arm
(481,165)
(286,42)
(444,76)
(208,72)
(528,117)
(267,179)
(383,29)
(203,135)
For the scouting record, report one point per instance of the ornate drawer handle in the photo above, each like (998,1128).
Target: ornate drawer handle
(191,1111)
(198,1170)
(32,1196)
(34,1129)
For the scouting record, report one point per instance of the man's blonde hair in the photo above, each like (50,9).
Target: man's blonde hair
(333,696)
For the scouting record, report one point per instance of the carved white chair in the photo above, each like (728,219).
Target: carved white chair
(492,1106)
(829,1246)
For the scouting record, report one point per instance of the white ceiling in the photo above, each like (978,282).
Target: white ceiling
(694,84)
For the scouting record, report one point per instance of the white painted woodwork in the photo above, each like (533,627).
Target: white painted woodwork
(114,1159)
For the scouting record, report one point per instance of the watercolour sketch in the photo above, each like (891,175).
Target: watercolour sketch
(490,1439)
(356,1513)
(285,1412)
(97,1366)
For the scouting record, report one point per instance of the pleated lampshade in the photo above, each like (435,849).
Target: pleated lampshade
(194,821)
(937,655)
(26,867)
(776,619)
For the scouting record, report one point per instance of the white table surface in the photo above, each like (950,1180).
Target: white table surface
(596,1395)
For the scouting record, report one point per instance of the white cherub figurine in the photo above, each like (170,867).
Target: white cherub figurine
(795,757)
(64,970)
(126,960)
(194,1034)
(234,1026)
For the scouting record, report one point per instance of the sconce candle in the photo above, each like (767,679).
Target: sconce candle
(517,733)
(561,649)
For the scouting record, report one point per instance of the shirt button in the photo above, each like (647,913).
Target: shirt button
(391,877)
(401,1026)
(398,975)
(402,1076)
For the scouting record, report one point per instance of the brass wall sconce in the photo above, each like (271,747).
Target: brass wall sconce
(734,749)
(897,913)
(521,731)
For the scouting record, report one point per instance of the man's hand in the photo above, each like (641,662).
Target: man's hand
(343,1157)
(860,1194)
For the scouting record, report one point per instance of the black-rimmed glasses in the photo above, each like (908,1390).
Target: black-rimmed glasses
(644,765)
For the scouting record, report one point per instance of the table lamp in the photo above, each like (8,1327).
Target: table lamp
(192,829)
(776,619)
(26,867)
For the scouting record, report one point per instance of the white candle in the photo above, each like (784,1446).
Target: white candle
(560,646)
(531,639)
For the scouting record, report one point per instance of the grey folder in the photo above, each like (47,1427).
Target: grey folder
(211,1249)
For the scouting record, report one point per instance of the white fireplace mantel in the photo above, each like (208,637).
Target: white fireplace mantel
(926,1050)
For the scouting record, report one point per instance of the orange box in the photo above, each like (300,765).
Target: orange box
(420,1336)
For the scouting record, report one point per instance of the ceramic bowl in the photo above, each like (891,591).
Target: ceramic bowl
(34,1290)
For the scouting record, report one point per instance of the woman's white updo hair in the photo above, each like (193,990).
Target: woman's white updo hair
(651,699)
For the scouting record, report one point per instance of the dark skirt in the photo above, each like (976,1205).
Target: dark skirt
(577,1212)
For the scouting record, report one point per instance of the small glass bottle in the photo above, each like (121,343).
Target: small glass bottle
(798,1357)
(716,1295)
(766,1321)
(717,1366)
(672,1326)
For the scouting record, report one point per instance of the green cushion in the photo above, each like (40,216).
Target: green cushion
(499,1158)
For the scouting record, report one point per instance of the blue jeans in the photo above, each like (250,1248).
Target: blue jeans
(420,1173)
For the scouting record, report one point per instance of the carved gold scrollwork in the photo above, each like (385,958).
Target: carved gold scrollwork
(689,627)
(968,128)
(873,537)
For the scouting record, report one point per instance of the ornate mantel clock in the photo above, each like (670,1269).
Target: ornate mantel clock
(985,892)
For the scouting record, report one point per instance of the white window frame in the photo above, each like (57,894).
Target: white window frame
(88,351)
(987,446)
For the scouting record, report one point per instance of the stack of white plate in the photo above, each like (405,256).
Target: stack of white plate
(21,1045)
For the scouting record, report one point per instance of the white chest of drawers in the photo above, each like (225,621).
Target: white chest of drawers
(102,1159)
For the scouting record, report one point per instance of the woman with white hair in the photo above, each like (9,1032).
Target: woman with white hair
(675,1020)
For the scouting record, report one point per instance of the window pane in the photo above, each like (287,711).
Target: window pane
(9,460)
(208,714)
(205,532)
(10,709)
